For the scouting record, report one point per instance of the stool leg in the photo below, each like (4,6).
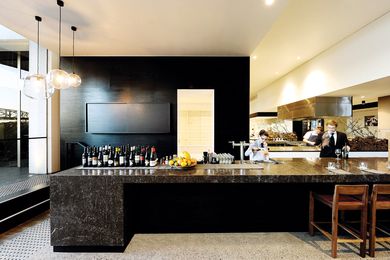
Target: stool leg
(372,231)
(311,214)
(363,231)
(335,223)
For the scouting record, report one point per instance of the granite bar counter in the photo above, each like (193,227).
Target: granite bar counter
(100,209)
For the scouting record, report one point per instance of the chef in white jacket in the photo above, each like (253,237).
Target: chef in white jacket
(258,150)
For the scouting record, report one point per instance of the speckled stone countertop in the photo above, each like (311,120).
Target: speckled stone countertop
(294,170)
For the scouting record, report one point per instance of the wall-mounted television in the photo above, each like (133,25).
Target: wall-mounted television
(122,118)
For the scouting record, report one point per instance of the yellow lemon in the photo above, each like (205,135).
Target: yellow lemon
(171,162)
(183,164)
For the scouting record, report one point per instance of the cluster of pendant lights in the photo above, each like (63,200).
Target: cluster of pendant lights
(39,86)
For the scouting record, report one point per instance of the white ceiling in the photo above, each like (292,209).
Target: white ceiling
(11,41)
(142,27)
(369,91)
(276,34)
(305,29)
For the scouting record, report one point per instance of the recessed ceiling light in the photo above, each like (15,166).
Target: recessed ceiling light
(298,57)
(269,2)
(362,96)
(254,57)
(277,73)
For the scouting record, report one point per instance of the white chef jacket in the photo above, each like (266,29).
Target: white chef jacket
(258,155)
(309,134)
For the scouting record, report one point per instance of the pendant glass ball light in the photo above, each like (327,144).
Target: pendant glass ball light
(35,85)
(58,78)
(74,79)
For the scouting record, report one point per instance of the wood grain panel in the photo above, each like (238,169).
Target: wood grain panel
(156,80)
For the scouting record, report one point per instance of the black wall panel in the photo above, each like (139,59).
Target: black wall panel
(155,80)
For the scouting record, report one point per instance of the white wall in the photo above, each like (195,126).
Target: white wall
(361,57)
(358,117)
(38,111)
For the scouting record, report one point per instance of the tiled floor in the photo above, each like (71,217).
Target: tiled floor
(31,241)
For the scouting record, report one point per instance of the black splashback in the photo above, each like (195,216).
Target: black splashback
(155,80)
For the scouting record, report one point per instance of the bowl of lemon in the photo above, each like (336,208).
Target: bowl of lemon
(183,161)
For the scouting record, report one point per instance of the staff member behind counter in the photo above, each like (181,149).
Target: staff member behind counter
(310,138)
(258,150)
(332,140)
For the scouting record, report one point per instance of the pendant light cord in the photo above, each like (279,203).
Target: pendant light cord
(38,19)
(59,40)
(73,53)
(38,49)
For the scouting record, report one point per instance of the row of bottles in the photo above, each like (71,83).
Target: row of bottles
(120,156)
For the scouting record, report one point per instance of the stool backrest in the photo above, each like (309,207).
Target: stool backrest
(381,189)
(359,192)
(356,190)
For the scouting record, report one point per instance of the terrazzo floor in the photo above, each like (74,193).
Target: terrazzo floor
(31,241)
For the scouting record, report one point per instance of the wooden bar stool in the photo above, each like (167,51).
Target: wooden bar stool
(380,200)
(345,197)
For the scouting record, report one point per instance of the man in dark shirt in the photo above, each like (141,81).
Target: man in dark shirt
(332,140)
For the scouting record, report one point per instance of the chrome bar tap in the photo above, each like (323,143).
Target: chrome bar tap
(241,144)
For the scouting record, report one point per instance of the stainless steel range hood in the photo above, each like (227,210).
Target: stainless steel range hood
(317,107)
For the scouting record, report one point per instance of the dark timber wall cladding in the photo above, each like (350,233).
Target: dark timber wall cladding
(155,80)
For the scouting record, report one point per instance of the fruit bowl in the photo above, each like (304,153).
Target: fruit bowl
(183,162)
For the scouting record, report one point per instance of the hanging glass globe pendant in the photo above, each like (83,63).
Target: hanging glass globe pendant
(74,80)
(58,78)
(35,86)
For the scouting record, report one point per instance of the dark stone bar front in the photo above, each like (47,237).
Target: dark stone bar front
(100,209)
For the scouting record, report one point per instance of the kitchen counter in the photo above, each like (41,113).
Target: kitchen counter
(100,209)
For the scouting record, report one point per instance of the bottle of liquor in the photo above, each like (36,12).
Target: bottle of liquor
(89,157)
(84,157)
(142,156)
(147,157)
(105,156)
(116,157)
(153,157)
(100,162)
(345,152)
(132,157)
(127,155)
(110,158)
(122,157)
(94,157)
(137,156)
(166,162)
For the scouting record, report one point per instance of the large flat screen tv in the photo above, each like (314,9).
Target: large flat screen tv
(114,118)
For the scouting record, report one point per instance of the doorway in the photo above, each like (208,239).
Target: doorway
(195,121)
